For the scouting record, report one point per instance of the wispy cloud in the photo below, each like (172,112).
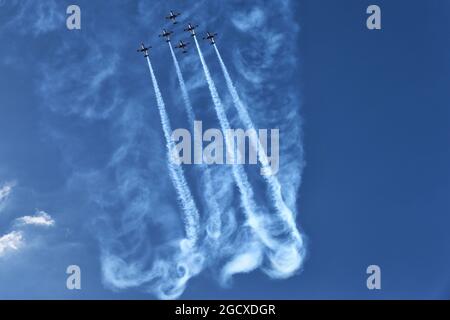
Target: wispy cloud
(14,240)
(36,17)
(93,101)
(273,98)
(10,242)
(5,190)
(41,218)
(250,20)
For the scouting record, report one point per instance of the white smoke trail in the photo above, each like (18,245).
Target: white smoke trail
(285,255)
(240,177)
(215,221)
(243,248)
(274,185)
(191,217)
(184,92)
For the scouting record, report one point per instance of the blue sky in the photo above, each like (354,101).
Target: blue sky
(363,118)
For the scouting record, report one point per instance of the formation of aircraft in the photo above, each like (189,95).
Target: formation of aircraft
(144,49)
(166,34)
(181,45)
(173,17)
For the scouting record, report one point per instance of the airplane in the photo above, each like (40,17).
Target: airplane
(172,16)
(166,34)
(210,36)
(144,49)
(190,28)
(182,45)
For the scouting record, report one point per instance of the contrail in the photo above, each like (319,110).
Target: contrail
(274,185)
(212,201)
(191,217)
(184,93)
(240,177)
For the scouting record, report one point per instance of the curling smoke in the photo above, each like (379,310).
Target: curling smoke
(239,174)
(285,255)
(274,185)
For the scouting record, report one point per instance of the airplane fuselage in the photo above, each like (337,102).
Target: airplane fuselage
(144,50)
(172,16)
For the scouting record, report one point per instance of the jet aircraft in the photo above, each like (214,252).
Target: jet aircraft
(166,34)
(191,28)
(144,49)
(210,36)
(182,45)
(173,17)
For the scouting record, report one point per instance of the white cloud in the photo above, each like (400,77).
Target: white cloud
(5,190)
(10,241)
(41,218)
(246,21)
(36,17)
(14,240)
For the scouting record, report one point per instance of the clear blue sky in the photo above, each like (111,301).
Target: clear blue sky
(364,121)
